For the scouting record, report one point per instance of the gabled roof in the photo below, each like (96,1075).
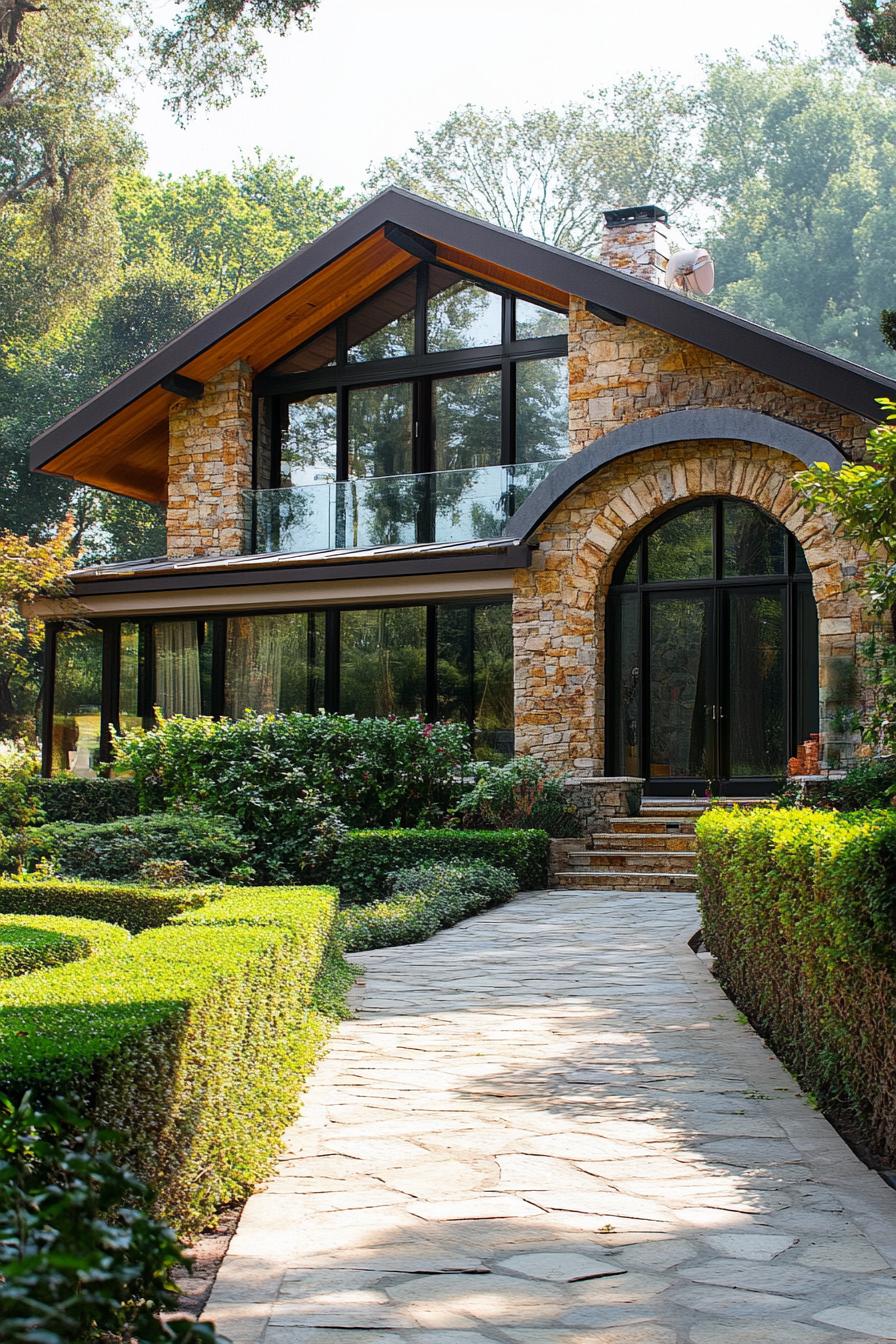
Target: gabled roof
(118,439)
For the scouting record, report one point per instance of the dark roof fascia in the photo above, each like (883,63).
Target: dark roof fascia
(515,555)
(792,362)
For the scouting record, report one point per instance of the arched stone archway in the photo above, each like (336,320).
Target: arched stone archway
(559,603)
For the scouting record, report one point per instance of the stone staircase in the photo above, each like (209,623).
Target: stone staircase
(654,851)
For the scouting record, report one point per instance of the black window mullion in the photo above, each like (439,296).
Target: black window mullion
(48,690)
(420,311)
(331,660)
(508,411)
(432,655)
(109,688)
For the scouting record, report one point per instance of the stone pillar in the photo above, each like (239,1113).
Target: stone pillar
(210,467)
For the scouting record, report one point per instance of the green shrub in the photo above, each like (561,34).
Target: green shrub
(521,794)
(365,859)
(371,772)
(31,941)
(424,900)
(134,906)
(71,798)
(213,847)
(79,1259)
(19,808)
(870,784)
(190,1041)
(799,910)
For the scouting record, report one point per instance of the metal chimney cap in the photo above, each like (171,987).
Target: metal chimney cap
(635,214)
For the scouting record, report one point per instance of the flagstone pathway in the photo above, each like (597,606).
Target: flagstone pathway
(549,1126)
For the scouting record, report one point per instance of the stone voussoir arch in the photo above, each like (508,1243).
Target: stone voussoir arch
(615,492)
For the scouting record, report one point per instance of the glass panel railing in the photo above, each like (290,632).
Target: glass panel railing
(468,505)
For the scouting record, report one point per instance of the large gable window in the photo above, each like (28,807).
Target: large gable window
(437,372)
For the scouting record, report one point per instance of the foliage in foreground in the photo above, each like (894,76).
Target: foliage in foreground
(799,910)
(80,1259)
(190,1041)
(423,900)
(522,795)
(133,905)
(210,847)
(365,859)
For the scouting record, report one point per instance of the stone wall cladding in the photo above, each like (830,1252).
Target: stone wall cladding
(210,466)
(559,603)
(618,374)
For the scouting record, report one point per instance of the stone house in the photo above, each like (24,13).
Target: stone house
(428,466)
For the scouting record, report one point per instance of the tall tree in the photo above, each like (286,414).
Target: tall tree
(875,28)
(550,173)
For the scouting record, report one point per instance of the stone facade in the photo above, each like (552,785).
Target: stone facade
(210,467)
(559,603)
(618,374)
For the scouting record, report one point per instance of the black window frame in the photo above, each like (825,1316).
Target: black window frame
(418,369)
(216,623)
(792,580)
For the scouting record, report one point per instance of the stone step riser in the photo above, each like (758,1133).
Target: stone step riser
(594,861)
(662,844)
(625,881)
(648,826)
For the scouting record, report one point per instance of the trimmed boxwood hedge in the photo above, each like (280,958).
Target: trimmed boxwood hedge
(365,859)
(71,798)
(28,942)
(424,900)
(799,910)
(134,905)
(190,1041)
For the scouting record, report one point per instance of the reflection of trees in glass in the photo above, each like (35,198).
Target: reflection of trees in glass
(754,543)
(493,679)
(462,316)
(267,667)
(383,661)
(542,410)
(129,678)
(396,338)
(756,673)
(296,518)
(531,320)
(682,547)
(77,697)
(475,673)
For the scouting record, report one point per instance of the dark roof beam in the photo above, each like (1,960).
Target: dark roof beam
(182,386)
(606,314)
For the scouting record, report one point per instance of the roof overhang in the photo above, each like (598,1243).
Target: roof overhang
(437,571)
(118,439)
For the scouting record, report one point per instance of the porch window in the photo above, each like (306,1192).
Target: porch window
(273,664)
(77,701)
(182,668)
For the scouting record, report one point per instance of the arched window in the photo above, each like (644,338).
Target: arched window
(712,648)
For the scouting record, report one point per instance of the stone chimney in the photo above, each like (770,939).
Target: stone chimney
(637,239)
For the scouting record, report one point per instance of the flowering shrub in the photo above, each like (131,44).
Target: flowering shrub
(370,772)
(520,795)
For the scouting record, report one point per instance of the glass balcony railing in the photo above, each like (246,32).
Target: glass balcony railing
(468,505)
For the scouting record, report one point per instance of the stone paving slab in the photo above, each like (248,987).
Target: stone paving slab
(548,1126)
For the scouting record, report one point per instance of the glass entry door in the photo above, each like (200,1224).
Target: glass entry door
(712,638)
(681,686)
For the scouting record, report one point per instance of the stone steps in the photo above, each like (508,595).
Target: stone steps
(654,851)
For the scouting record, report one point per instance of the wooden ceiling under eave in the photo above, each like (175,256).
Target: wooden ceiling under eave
(128,452)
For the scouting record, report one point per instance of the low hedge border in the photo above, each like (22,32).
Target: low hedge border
(424,900)
(365,859)
(799,911)
(29,942)
(134,906)
(191,1041)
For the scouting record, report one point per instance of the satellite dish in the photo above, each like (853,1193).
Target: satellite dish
(692,271)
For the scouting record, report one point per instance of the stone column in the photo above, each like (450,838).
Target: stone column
(210,467)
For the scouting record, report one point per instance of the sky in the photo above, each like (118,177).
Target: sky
(372,72)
